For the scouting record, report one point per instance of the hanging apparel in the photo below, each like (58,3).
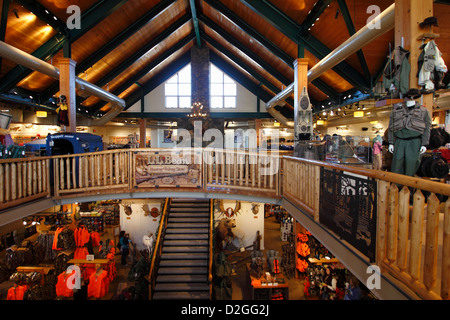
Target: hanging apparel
(55,239)
(301,265)
(276,266)
(62,288)
(80,253)
(409,129)
(303,249)
(431,67)
(63,118)
(81,236)
(396,72)
(98,284)
(16,292)
(95,238)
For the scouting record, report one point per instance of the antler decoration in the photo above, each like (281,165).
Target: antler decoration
(127,209)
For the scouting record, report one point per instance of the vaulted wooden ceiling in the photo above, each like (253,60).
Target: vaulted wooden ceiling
(131,47)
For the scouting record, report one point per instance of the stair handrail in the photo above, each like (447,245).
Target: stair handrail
(157,248)
(211,257)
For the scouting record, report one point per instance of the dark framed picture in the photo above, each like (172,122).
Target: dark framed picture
(167,136)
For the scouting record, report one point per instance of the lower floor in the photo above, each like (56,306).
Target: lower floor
(124,287)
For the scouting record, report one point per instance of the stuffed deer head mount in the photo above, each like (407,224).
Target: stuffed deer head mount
(255,208)
(146,210)
(127,209)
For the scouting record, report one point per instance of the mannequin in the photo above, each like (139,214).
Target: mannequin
(408,133)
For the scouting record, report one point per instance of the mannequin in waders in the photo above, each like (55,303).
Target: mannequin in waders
(408,134)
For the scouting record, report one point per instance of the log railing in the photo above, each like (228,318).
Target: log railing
(410,236)
(23,180)
(241,170)
(91,171)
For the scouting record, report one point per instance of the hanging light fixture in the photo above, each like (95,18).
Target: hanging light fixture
(197,111)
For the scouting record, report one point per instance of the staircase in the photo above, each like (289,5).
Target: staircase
(183,267)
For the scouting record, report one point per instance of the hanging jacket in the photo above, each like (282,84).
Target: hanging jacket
(62,288)
(431,67)
(397,71)
(98,284)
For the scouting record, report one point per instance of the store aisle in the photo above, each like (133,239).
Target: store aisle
(272,241)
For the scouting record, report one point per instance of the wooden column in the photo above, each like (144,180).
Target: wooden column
(408,15)
(142,133)
(67,88)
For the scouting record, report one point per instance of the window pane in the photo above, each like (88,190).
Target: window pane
(216,102)
(171,102)
(185,102)
(184,76)
(216,75)
(173,79)
(171,89)
(184,89)
(216,89)
(230,102)
(227,79)
(229,89)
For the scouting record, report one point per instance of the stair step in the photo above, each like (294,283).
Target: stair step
(189,215)
(188,219)
(196,295)
(182,287)
(182,271)
(181,236)
(189,209)
(204,231)
(184,256)
(183,263)
(181,243)
(187,225)
(184,249)
(189,204)
(182,278)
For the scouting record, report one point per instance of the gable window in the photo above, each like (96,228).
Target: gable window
(222,90)
(178,89)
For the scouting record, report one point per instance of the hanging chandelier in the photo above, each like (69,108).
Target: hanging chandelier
(197,111)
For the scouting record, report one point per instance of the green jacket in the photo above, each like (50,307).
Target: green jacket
(416,119)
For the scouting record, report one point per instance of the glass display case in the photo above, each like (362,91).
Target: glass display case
(354,150)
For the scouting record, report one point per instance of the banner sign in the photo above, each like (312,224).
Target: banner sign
(167,169)
(348,207)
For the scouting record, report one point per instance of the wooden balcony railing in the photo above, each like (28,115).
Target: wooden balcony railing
(23,180)
(245,171)
(412,232)
(410,238)
(91,171)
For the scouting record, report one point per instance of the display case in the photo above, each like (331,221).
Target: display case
(353,150)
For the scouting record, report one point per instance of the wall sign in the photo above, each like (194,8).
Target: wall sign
(167,169)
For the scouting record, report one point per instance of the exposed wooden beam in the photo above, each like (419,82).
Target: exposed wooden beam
(115,42)
(351,30)
(90,18)
(195,22)
(240,23)
(292,30)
